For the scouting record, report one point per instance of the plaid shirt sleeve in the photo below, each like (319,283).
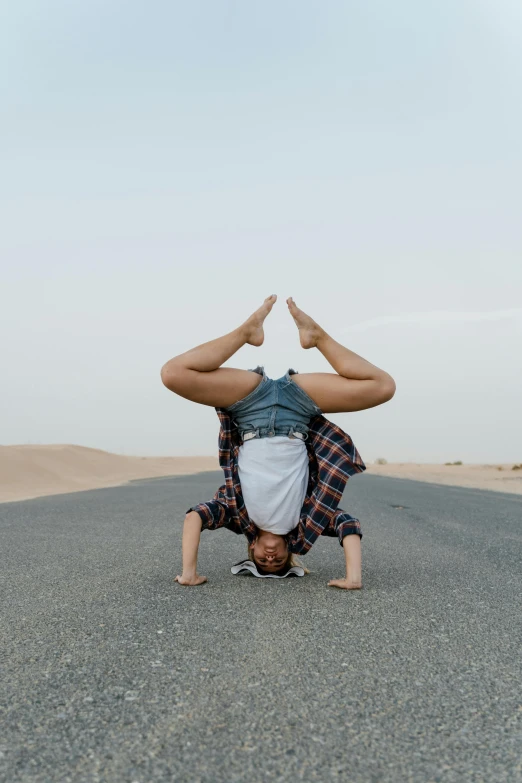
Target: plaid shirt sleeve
(215,513)
(342,524)
(334,459)
(227,509)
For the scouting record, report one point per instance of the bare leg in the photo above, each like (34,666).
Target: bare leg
(358,385)
(197,374)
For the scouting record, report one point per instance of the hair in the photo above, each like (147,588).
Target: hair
(291,559)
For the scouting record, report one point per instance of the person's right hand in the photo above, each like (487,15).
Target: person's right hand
(190,581)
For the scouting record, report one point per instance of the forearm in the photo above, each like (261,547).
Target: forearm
(353,559)
(352,556)
(190,543)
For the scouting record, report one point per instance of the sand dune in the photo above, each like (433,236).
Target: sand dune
(33,471)
(500,478)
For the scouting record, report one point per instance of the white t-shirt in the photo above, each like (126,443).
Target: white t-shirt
(274,476)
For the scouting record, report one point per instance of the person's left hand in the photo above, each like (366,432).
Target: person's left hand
(345,584)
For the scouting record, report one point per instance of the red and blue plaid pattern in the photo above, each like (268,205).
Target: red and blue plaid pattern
(333,459)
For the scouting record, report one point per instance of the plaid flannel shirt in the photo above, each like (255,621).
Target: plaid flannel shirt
(333,458)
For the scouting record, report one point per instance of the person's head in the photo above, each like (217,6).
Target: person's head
(270,552)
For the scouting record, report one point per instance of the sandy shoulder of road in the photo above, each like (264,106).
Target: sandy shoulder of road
(500,478)
(34,471)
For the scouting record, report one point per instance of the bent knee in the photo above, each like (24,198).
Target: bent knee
(387,388)
(174,376)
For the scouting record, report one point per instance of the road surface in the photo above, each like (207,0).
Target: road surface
(113,672)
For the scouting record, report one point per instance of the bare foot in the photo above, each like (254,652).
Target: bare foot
(309,332)
(254,325)
(346,584)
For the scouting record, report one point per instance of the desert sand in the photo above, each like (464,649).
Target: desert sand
(500,478)
(33,471)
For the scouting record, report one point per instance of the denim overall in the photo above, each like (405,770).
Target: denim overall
(277,407)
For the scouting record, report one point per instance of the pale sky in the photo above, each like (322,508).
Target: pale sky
(170,164)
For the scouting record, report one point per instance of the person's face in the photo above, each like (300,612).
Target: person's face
(270,552)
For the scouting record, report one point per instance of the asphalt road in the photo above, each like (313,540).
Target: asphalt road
(113,672)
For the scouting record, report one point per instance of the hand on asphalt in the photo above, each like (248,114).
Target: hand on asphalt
(345,584)
(191,581)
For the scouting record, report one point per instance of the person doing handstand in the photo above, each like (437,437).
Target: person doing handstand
(285,464)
